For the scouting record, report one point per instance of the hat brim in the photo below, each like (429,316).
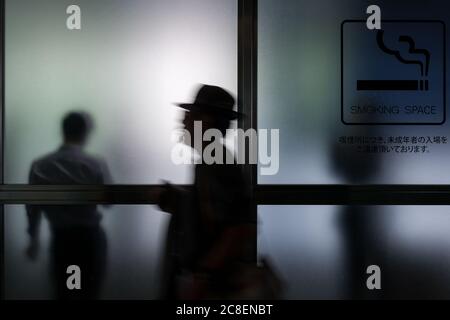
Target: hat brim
(211,109)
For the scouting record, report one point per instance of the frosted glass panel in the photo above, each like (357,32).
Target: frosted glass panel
(299,92)
(322,252)
(135,238)
(127,65)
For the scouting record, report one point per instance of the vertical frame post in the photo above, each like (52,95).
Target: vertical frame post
(247,86)
(2,143)
(247,74)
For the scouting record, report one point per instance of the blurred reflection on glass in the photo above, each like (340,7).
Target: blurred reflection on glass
(309,250)
(126,66)
(136,235)
(358,225)
(78,238)
(299,89)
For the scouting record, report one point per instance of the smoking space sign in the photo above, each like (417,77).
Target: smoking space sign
(394,75)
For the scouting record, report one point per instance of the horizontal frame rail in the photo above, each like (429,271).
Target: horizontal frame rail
(263,194)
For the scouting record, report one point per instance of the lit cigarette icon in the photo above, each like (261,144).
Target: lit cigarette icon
(392,85)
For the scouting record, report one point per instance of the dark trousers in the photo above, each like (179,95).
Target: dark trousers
(85,247)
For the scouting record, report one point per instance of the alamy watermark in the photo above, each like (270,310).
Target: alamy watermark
(263,147)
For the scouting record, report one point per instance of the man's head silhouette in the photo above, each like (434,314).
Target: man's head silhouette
(213,106)
(76,127)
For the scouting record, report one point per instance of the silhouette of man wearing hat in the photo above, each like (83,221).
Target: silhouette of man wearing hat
(212,229)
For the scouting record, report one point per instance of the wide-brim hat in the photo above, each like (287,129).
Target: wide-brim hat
(213,100)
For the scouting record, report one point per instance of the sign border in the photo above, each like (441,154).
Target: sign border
(396,123)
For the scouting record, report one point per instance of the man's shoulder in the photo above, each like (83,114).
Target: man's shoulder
(62,155)
(69,166)
(92,158)
(44,159)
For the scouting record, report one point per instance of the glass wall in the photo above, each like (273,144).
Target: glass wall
(322,252)
(132,60)
(134,251)
(126,66)
(322,139)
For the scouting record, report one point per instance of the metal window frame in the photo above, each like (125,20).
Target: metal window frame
(2,72)
(262,194)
